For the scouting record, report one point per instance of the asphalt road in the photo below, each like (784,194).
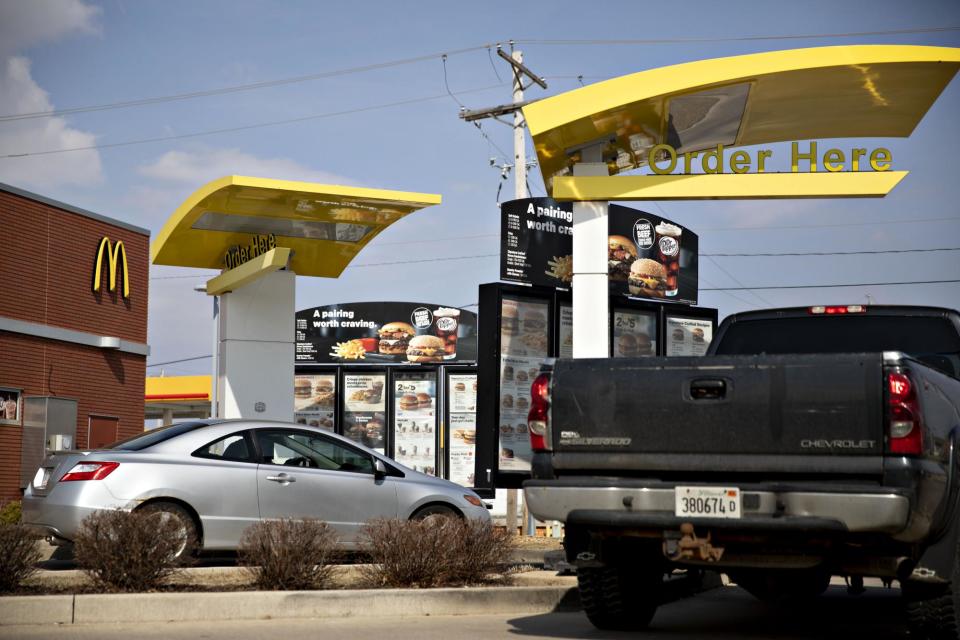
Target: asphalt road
(721,613)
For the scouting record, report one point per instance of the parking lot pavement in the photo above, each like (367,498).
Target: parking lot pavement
(725,613)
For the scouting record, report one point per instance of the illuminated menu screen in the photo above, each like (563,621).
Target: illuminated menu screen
(415,421)
(524,340)
(462,403)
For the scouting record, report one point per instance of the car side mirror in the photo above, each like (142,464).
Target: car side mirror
(379,469)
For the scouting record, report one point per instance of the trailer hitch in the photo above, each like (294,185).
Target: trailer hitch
(687,546)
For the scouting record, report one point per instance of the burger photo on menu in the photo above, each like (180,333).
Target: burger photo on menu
(697,334)
(522,403)
(507,373)
(459,387)
(409,401)
(395,338)
(426,349)
(302,388)
(620,257)
(521,376)
(507,401)
(678,334)
(323,393)
(509,322)
(627,345)
(534,322)
(424,399)
(647,278)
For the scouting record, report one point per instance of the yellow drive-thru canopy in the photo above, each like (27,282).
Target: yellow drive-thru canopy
(324,226)
(801,94)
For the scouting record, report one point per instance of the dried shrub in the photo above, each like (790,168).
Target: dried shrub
(289,554)
(19,554)
(127,551)
(434,552)
(10,512)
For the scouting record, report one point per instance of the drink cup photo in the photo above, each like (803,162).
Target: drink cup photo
(668,252)
(446,323)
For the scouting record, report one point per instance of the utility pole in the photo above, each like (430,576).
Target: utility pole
(519,70)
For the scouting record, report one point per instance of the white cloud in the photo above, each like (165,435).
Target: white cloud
(24,23)
(19,93)
(199,166)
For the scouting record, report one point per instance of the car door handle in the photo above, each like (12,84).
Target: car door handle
(282,479)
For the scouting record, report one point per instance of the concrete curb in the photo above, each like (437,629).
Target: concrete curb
(164,607)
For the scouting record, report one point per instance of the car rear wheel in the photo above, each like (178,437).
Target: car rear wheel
(186,529)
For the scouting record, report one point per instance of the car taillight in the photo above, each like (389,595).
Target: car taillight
(837,310)
(904,429)
(538,419)
(90,471)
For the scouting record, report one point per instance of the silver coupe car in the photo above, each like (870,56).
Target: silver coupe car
(218,477)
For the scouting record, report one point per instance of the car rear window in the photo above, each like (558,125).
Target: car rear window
(155,436)
(928,338)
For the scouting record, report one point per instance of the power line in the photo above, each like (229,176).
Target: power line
(825,226)
(831,286)
(258,125)
(807,36)
(823,253)
(703,255)
(237,88)
(160,364)
(432,56)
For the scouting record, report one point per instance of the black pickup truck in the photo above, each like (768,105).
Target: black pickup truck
(807,443)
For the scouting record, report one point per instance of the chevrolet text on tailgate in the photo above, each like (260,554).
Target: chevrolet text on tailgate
(807,443)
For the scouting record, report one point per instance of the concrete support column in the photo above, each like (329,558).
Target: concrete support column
(167,417)
(255,349)
(591,297)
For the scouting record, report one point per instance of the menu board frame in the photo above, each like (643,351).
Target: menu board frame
(488,474)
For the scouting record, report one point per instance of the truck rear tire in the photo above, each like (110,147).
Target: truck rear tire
(933,611)
(620,598)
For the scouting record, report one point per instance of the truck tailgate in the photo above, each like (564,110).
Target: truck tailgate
(796,404)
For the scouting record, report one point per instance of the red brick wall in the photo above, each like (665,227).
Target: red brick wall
(46,268)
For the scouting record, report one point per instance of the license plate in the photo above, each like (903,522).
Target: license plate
(40,480)
(708,502)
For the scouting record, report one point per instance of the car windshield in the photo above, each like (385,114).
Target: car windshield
(930,339)
(155,436)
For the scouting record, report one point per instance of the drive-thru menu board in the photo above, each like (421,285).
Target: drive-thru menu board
(462,403)
(314,400)
(415,421)
(688,336)
(364,414)
(523,346)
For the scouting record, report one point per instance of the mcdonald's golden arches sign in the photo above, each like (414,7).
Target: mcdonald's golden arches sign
(116,255)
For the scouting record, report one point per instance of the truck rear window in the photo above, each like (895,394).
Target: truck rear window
(933,340)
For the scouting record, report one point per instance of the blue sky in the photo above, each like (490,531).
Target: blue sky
(59,54)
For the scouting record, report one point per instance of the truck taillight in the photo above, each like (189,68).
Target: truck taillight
(904,428)
(538,419)
(90,471)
